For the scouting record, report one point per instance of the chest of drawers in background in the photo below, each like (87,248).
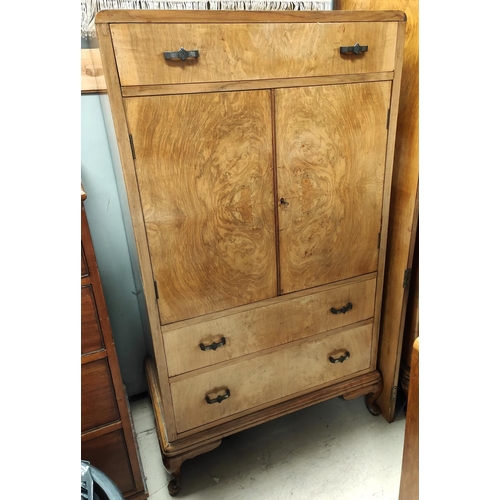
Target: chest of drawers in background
(108,440)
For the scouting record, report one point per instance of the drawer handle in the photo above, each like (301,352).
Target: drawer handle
(340,359)
(213,346)
(354,49)
(218,399)
(181,54)
(342,310)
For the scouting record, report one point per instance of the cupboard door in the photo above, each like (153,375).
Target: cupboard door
(331,149)
(205,176)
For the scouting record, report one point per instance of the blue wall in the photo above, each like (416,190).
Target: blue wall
(122,288)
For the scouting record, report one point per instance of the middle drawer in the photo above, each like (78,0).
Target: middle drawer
(270,323)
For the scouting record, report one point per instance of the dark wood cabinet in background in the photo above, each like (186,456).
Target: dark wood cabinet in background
(108,440)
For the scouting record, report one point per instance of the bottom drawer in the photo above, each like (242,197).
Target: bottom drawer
(109,454)
(206,396)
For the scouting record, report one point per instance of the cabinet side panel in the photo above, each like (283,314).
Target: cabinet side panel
(128,174)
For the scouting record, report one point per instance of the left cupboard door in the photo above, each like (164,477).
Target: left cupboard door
(204,166)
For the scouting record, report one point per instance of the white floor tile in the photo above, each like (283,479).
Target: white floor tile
(333,450)
(142,415)
(155,474)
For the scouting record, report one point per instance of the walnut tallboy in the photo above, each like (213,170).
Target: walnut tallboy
(257,152)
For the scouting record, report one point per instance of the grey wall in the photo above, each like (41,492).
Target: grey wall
(110,230)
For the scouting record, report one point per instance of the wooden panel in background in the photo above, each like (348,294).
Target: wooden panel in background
(104,407)
(411,330)
(84,267)
(98,396)
(92,73)
(109,453)
(409,485)
(404,202)
(91,329)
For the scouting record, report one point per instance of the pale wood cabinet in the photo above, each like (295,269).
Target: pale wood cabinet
(256,152)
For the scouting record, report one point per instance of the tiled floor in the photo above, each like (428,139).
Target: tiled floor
(334,450)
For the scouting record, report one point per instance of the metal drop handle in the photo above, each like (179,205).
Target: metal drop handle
(340,359)
(342,310)
(181,54)
(355,49)
(218,399)
(213,346)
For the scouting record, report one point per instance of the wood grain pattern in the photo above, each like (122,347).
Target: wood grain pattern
(98,396)
(84,267)
(203,16)
(204,169)
(109,453)
(190,440)
(268,324)
(272,83)
(263,379)
(404,200)
(331,146)
(409,485)
(176,141)
(92,73)
(91,333)
(392,122)
(103,400)
(248,52)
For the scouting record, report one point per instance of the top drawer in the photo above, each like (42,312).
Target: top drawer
(230,52)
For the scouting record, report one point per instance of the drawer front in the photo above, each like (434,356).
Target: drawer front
(276,322)
(109,454)
(263,379)
(229,52)
(91,333)
(98,403)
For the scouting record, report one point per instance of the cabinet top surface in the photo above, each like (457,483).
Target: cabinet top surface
(204,16)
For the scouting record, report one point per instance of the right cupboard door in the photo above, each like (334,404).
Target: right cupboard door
(331,154)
